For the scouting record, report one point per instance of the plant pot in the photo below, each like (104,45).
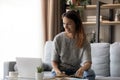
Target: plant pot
(39,76)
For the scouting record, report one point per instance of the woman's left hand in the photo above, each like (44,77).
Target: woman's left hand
(79,72)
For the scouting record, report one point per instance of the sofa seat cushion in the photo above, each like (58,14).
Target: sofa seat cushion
(106,78)
(115,59)
(100,58)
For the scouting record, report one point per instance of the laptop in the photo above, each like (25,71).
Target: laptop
(27,67)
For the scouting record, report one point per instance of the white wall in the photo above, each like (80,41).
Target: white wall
(20,30)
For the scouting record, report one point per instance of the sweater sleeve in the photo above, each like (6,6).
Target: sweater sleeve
(86,53)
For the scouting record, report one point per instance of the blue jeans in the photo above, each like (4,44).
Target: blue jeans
(89,74)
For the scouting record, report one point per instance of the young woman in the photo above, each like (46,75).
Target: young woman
(71,52)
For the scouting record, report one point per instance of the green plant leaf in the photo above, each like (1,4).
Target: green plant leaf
(39,69)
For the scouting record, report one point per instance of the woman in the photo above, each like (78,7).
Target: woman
(71,51)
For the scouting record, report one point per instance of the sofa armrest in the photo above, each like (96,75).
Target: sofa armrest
(8,66)
(47,56)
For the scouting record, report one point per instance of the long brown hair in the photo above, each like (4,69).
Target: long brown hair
(79,30)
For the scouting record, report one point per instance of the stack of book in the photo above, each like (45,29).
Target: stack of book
(93,18)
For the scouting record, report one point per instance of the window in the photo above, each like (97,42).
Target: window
(20,30)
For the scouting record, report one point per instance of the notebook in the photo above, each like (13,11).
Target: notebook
(27,67)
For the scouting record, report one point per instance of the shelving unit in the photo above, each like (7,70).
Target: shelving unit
(98,23)
(111,22)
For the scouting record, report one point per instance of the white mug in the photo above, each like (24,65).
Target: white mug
(13,74)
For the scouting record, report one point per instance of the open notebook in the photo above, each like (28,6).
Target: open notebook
(27,66)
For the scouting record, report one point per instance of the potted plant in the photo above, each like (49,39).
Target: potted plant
(73,3)
(39,74)
(78,2)
(39,69)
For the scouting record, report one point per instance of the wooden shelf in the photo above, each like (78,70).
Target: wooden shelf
(110,22)
(88,23)
(103,23)
(87,7)
(104,6)
(110,6)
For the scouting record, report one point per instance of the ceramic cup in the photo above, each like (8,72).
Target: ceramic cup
(13,74)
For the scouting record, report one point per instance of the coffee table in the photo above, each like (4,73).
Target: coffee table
(47,76)
(56,78)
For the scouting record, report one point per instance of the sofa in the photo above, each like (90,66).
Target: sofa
(105,60)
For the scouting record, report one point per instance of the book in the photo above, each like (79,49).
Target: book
(63,78)
(93,18)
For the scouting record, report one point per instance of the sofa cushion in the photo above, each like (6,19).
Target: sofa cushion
(115,59)
(47,56)
(100,58)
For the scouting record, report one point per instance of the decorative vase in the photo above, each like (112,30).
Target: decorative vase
(39,76)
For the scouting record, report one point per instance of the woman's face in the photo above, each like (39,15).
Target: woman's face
(69,25)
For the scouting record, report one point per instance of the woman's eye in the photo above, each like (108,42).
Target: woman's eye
(66,24)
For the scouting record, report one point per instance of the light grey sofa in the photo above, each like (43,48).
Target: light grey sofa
(105,60)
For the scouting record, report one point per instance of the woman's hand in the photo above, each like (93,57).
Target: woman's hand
(57,70)
(59,74)
(79,72)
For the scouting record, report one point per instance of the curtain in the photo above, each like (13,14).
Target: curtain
(51,11)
